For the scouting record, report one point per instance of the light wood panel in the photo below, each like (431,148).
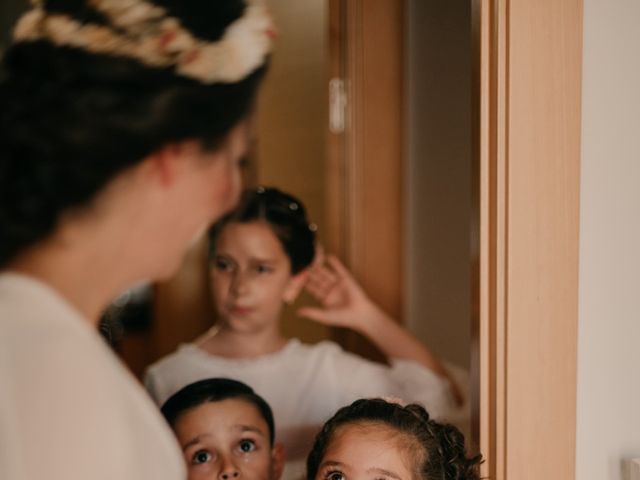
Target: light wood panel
(366,168)
(529,151)
(336,191)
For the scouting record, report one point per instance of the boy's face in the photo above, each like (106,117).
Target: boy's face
(228,440)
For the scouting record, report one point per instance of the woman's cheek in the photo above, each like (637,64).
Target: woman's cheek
(230,192)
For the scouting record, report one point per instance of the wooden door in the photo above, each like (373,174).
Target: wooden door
(527,137)
(365,164)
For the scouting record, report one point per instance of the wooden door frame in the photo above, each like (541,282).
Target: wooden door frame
(528,119)
(529,97)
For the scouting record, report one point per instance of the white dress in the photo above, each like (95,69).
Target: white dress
(69,410)
(304,385)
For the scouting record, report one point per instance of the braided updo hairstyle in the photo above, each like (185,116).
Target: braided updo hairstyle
(72,120)
(439,448)
(286,216)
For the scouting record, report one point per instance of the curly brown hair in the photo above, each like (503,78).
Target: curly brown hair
(440,453)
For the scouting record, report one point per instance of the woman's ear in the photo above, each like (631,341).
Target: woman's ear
(277,461)
(295,286)
(166,163)
(239,139)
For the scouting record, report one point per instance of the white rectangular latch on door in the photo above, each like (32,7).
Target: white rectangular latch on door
(337,105)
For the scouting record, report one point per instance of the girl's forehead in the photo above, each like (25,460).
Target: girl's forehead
(251,237)
(368,428)
(399,444)
(252,228)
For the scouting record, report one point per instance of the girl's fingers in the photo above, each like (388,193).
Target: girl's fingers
(324,281)
(337,265)
(323,277)
(317,291)
(321,293)
(319,257)
(318,282)
(318,274)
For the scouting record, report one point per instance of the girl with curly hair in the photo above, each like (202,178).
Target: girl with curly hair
(374,439)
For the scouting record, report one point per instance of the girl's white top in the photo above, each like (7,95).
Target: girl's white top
(68,408)
(304,385)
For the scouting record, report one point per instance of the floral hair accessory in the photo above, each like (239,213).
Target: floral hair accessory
(396,400)
(145,32)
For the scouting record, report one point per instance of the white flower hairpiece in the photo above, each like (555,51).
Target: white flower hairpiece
(144,32)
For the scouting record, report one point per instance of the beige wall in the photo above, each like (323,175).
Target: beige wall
(292,119)
(438,176)
(608,420)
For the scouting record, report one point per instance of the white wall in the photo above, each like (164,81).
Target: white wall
(608,421)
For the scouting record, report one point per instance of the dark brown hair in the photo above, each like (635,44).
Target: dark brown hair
(215,390)
(70,120)
(284,213)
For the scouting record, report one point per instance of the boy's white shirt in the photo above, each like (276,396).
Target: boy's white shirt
(305,385)
(68,408)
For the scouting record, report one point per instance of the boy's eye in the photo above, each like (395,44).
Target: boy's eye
(335,476)
(247,446)
(201,456)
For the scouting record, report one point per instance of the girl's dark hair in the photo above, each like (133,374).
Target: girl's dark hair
(70,120)
(286,216)
(215,390)
(440,447)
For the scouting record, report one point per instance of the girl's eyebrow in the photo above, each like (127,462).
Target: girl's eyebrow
(384,472)
(263,260)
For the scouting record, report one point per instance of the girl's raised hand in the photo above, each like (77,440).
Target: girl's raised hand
(344,303)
